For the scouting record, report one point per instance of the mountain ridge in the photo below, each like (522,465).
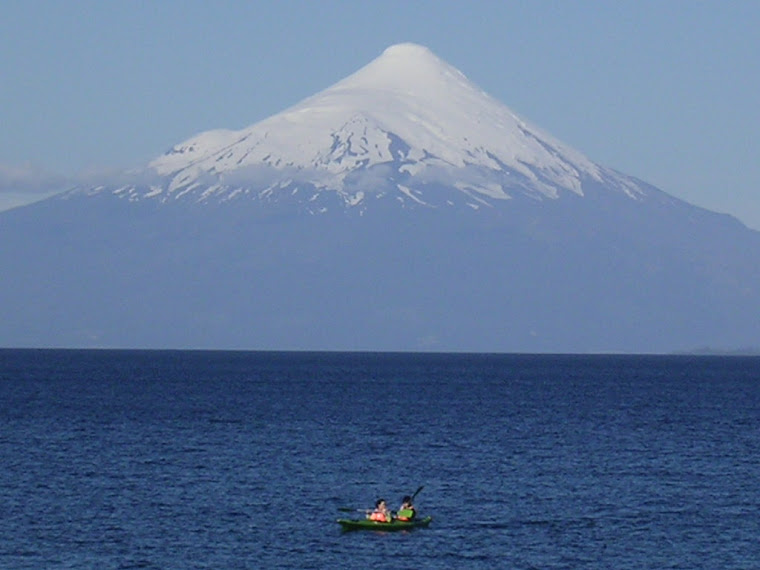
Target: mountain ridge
(407,117)
(382,230)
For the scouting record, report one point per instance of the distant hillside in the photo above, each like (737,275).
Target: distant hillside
(400,209)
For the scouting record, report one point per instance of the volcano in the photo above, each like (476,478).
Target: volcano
(401,208)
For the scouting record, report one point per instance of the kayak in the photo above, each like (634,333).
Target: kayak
(366,524)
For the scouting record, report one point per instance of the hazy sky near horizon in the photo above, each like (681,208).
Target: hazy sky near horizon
(664,90)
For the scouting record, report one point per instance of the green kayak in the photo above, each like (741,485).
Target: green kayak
(366,524)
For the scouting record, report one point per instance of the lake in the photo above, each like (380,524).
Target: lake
(195,459)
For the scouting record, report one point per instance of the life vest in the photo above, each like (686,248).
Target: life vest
(405,514)
(378,516)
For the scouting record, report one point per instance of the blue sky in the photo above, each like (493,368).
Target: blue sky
(664,90)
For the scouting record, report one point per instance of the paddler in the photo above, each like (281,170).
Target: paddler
(406,511)
(381,512)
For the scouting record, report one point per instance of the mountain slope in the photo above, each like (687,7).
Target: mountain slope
(407,119)
(400,209)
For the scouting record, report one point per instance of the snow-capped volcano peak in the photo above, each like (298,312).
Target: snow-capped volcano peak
(408,69)
(405,120)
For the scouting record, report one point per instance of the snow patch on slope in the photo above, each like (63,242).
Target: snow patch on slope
(408,112)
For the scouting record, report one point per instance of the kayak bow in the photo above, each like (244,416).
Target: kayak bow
(367,524)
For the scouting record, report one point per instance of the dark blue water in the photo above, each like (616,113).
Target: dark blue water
(241,460)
